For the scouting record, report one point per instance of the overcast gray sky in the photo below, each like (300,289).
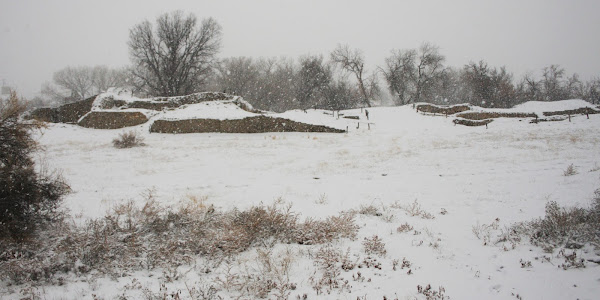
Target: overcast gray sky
(38,37)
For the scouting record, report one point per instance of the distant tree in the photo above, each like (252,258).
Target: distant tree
(238,76)
(398,73)
(78,81)
(104,78)
(313,77)
(177,57)
(487,86)
(340,94)
(592,91)
(353,61)
(412,75)
(552,83)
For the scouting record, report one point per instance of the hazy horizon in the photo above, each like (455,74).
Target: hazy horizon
(41,37)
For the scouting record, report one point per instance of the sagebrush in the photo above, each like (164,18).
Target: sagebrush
(133,237)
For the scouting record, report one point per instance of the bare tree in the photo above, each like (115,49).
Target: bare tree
(552,82)
(77,80)
(177,58)
(238,76)
(412,75)
(399,72)
(312,79)
(353,61)
(104,78)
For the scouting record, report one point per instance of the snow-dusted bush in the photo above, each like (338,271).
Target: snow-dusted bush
(566,227)
(152,236)
(128,139)
(28,198)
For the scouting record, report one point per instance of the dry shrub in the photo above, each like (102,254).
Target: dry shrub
(374,245)
(321,231)
(128,139)
(132,237)
(570,171)
(566,227)
(331,261)
(414,209)
(431,294)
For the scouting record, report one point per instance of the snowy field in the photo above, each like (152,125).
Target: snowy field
(475,176)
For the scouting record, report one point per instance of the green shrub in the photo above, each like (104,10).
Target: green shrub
(28,199)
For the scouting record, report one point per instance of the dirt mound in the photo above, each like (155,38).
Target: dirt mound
(583,111)
(444,110)
(112,120)
(68,113)
(472,122)
(494,115)
(258,124)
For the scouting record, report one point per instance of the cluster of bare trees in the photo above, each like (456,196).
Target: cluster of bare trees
(420,76)
(75,83)
(178,55)
(309,82)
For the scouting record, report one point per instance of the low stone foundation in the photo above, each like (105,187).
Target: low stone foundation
(258,124)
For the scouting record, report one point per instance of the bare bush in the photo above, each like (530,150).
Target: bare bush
(128,139)
(414,209)
(331,262)
(374,245)
(570,171)
(566,227)
(431,294)
(404,228)
(132,237)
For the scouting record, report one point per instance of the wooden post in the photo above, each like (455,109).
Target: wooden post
(346,129)
(369,124)
(587,112)
(569,117)
(486,126)
(358,125)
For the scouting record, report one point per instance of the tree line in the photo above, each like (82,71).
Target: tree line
(178,55)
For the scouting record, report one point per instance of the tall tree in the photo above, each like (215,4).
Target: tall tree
(177,57)
(353,61)
(413,75)
(312,79)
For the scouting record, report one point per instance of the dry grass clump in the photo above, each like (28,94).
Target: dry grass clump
(133,237)
(128,139)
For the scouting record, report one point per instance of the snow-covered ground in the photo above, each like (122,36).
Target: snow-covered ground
(507,172)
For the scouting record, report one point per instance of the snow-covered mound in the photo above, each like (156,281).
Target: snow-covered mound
(539,107)
(198,113)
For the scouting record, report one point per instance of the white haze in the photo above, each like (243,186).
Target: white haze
(38,37)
